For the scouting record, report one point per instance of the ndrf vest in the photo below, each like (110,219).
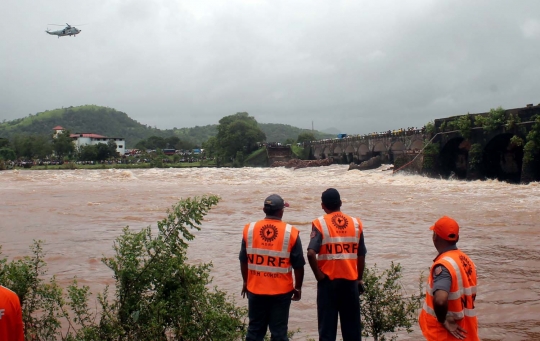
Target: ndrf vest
(268,245)
(460,298)
(338,255)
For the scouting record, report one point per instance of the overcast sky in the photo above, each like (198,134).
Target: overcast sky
(358,66)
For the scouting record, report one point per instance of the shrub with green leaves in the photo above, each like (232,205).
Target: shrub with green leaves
(464,125)
(495,119)
(430,127)
(384,306)
(532,147)
(475,156)
(158,295)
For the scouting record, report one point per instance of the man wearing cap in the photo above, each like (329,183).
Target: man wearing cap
(336,254)
(271,251)
(448,312)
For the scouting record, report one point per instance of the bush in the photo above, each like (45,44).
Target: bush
(464,124)
(532,147)
(430,127)
(475,156)
(495,119)
(384,306)
(158,295)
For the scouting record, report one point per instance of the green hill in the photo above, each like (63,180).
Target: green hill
(110,122)
(83,119)
(276,132)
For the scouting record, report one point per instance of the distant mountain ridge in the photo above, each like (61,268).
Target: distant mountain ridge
(113,123)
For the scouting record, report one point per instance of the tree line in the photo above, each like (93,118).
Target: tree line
(237,137)
(111,122)
(44,147)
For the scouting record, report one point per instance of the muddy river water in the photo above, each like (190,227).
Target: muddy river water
(80,212)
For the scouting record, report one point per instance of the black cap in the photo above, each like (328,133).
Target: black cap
(275,202)
(330,196)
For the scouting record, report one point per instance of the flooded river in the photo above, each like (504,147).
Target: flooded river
(80,212)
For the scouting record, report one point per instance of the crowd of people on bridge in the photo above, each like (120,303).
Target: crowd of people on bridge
(389,133)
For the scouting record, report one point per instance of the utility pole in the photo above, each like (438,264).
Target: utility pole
(312,126)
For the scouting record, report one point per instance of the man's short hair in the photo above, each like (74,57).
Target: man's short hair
(331,199)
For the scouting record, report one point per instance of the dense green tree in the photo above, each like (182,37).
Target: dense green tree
(289,141)
(88,153)
(305,137)
(31,146)
(184,145)
(42,146)
(141,145)
(111,146)
(7,154)
(156,142)
(98,152)
(238,133)
(172,141)
(22,146)
(63,144)
(4,142)
(103,151)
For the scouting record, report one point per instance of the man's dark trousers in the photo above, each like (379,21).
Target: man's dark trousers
(338,296)
(268,311)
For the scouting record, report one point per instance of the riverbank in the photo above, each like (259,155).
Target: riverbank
(70,165)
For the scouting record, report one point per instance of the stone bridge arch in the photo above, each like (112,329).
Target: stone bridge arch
(351,154)
(317,152)
(501,159)
(417,145)
(379,147)
(327,151)
(398,146)
(363,151)
(453,157)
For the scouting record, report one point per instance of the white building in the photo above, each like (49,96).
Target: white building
(84,139)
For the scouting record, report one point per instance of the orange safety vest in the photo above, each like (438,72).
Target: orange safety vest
(268,245)
(11,322)
(460,298)
(338,255)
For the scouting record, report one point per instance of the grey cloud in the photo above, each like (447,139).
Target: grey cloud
(359,66)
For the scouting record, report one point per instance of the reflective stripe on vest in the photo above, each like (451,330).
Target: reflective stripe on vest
(327,239)
(454,295)
(284,253)
(457,315)
(338,254)
(329,256)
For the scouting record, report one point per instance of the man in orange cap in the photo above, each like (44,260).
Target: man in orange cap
(448,312)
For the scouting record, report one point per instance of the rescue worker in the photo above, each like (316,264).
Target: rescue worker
(448,312)
(11,322)
(336,254)
(271,251)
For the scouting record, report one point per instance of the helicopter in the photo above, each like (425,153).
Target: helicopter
(67,31)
